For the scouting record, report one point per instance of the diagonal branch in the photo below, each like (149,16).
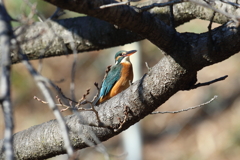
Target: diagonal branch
(103,35)
(6,34)
(145,8)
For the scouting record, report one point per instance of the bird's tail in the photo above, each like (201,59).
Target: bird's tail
(97,102)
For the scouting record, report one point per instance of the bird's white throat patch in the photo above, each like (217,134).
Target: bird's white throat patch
(126,60)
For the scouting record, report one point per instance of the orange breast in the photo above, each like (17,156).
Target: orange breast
(122,84)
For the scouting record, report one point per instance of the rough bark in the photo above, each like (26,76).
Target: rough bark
(53,38)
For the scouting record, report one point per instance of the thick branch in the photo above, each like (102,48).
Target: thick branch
(142,98)
(142,23)
(54,38)
(88,33)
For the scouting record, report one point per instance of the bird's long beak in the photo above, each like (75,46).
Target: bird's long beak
(129,53)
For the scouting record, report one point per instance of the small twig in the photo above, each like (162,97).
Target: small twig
(210,43)
(60,102)
(58,13)
(145,8)
(59,105)
(211,21)
(172,21)
(83,99)
(147,66)
(113,5)
(61,93)
(40,100)
(42,84)
(97,94)
(72,84)
(183,110)
(208,83)
(40,19)
(93,110)
(107,70)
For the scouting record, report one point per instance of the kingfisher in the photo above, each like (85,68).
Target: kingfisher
(118,78)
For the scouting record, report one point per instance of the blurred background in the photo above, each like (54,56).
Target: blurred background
(210,132)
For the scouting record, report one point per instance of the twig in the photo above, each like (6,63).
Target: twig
(172,21)
(183,110)
(231,3)
(211,21)
(77,106)
(113,4)
(208,83)
(145,8)
(59,105)
(210,37)
(83,101)
(5,92)
(40,100)
(147,66)
(98,92)
(42,84)
(59,90)
(73,71)
(58,13)
(106,73)
(72,103)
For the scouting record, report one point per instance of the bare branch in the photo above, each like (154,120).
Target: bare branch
(172,21)
(73,70)
(114,4)
(6,33)
(147,66)
(183,110)
(58,13)
(145,8)
(208,83)
(43,84)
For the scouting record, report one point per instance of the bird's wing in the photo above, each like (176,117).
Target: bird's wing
(113,76)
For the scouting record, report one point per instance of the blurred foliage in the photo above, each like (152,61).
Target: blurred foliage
(19,9)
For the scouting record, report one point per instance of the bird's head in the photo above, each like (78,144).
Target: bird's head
(123,56)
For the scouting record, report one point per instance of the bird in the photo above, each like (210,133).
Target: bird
(118,78)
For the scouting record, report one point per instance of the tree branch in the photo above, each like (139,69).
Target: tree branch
(5,90)
(90,34)
(142,98)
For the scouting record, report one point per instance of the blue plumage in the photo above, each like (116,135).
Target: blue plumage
(118,77)
(113,76)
